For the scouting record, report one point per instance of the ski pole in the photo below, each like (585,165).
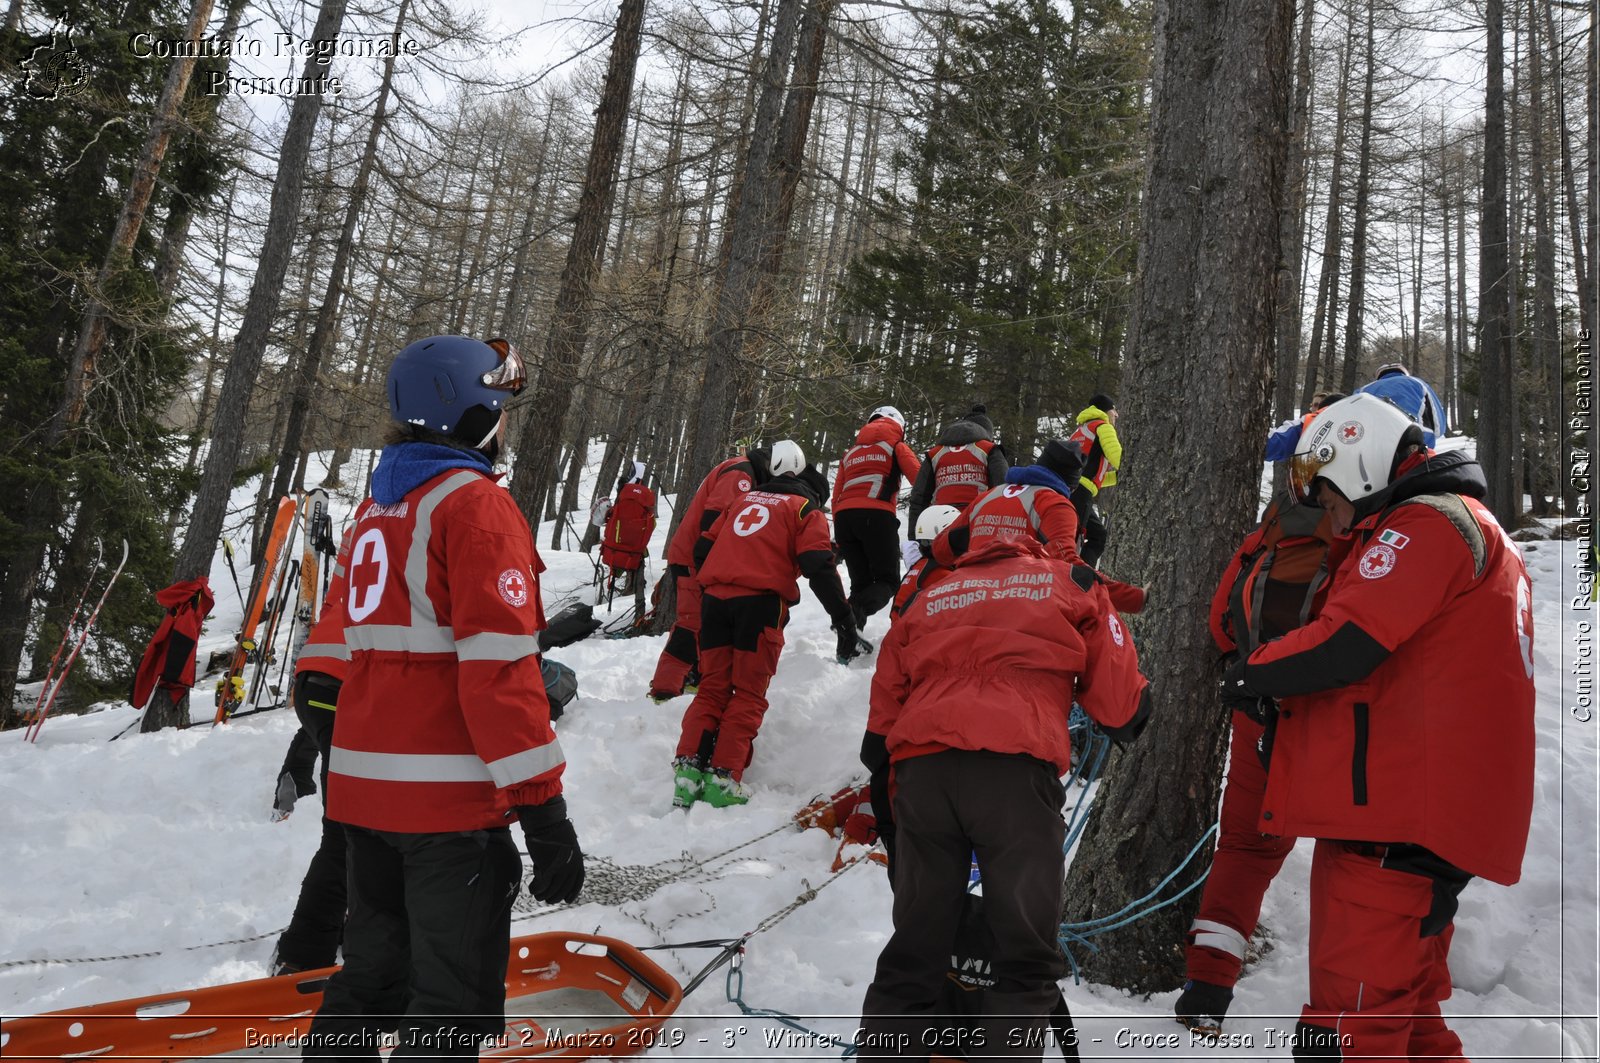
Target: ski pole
(227,550)
(66,633)
(66,669)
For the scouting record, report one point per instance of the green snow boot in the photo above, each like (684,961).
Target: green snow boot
(722,789)
(688,782)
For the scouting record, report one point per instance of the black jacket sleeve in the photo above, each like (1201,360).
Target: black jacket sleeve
(300,763)
(1347,656)
(998,465)
(819,569)
(921,495)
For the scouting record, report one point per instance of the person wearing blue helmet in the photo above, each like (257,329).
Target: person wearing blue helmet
(442,736)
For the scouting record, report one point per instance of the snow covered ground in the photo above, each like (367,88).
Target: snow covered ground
(153,849)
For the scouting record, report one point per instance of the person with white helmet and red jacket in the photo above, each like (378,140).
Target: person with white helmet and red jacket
(1413,773)
(865,524)
(678,664)
(442,737)
(921,568)
(978,752)
(749,561)
(962,464)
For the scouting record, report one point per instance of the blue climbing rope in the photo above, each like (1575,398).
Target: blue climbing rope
(736,996)
(1080,933)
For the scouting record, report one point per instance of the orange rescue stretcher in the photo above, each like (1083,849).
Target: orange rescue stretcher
(572,996)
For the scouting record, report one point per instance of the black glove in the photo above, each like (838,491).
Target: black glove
(1202,1006)
(553,847)
(284,797)
(1236,694)
(849,646)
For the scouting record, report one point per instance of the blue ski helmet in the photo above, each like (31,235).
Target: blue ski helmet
(434,382)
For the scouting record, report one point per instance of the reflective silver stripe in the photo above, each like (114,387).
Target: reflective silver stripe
(975,451)
(422,614)
(396,638)
(938,452)
(338,570)
(1026,496)
(492,646)
(408,767)
(1218,936)
(332,651)
(529,764)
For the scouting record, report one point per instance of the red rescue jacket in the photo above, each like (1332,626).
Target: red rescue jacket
(443,724)
(764,542)
(169,659)
(1010,510)
(871,471)
(1407,704)
(325,650)
(960,474)
(629,525)
(923,574)
(992,656)
(717,491)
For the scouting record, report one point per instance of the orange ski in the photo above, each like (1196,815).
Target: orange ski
(230,688)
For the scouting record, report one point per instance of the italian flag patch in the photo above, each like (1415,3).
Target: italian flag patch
(1394,538)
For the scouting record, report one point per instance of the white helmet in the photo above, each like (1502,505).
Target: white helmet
(787,458)
(890,412)
(1352,444)
(932,522)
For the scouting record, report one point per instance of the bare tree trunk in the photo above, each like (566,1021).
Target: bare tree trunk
(1319,365)
(260,312)
(1356,305)
(750,235)
(1449,295)
(1543,442)
(310,363)
(1292,224)
(1461,413)
(1205,301)
(1497,390)
(540,437)
(92,330)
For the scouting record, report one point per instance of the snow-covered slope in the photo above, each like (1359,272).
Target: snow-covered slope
(155,849)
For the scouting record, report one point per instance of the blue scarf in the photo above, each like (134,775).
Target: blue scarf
(1038,476)
(404,467)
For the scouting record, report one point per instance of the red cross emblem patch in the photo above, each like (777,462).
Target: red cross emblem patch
(751,519)
(1351,432)
(514,587)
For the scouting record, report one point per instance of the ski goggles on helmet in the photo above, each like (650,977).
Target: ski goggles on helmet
(1304,468)
(509,375)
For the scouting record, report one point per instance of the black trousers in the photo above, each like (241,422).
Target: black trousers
(1007,809)
(425,946)
(317,926)
(869,545)
(1091,526)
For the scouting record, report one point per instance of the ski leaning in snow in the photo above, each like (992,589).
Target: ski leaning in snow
(230,688)
(66,632)
(314,511)
(32,734)
(284,589)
